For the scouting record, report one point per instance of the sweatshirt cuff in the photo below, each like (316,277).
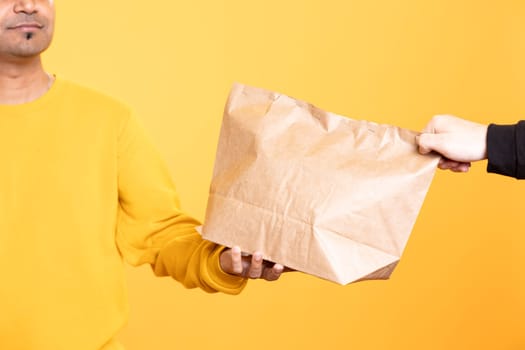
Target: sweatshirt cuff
(220,280)
(501,149)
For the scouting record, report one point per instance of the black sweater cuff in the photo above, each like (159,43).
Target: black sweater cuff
(506,149)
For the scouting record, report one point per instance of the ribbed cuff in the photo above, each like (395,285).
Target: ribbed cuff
(501,150)
(220,280)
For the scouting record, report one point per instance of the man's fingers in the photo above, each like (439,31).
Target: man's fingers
(236,260)
(273,273)
(446,164)
(459,167)
(256,266)
(253,266)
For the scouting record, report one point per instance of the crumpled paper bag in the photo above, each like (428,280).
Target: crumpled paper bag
(317,192)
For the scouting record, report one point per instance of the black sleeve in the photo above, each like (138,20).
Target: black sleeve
(506,149)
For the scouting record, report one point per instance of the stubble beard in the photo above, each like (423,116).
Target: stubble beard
(28,45)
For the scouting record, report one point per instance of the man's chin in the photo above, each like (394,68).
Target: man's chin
(28,51)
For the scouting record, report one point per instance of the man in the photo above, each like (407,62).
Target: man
(81,189)
(462,142)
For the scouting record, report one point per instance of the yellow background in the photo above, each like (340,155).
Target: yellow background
(460,283)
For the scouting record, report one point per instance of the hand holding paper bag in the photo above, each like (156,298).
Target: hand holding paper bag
(320,193)
(232,261)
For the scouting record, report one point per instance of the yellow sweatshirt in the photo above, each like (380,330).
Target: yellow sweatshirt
(81,189)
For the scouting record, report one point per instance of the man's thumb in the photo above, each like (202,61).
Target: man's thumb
(426,142)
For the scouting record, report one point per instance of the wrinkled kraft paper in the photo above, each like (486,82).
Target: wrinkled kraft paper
(317,192)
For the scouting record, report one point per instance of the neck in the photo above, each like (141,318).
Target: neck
(22,80)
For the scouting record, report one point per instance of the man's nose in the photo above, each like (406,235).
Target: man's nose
(25,6)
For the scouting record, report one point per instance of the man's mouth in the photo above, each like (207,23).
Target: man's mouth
(26,26)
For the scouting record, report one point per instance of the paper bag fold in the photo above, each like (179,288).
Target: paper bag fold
(320,193)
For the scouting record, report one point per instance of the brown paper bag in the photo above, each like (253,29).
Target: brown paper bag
(330,196)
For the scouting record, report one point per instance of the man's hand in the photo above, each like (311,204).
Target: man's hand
(233,262)
(459,141)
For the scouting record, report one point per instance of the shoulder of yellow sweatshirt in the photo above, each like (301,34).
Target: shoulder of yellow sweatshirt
(82,189)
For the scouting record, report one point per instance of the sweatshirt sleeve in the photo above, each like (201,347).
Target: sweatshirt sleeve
(151,227)
(506,149)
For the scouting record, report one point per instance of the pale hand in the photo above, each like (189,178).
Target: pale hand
(252,266)
(459,141)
